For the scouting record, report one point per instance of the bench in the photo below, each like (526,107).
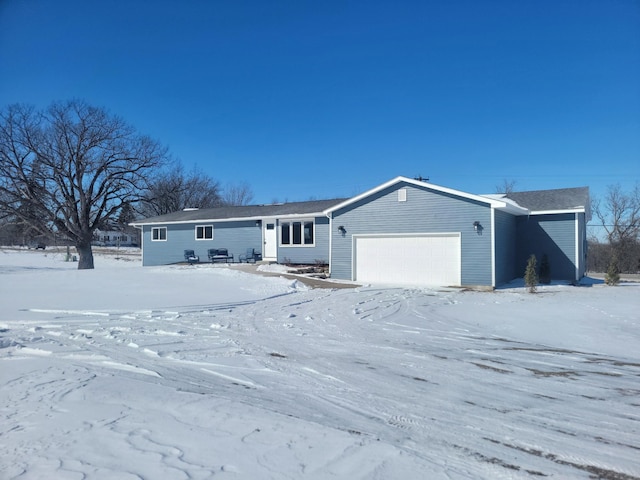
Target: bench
(219,255)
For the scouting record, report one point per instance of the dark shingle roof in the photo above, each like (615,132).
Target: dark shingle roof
(534,201)
(245,211)
(558,199)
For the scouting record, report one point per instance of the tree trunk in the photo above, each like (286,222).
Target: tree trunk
(85,253)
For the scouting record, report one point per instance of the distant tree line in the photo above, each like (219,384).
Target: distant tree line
(72,169)
(602,254)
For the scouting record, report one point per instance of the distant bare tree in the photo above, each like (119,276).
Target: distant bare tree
(173,190)
(71,168)
(506,187)
(619,215)
(237,194)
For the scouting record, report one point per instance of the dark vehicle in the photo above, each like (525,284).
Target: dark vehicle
(37,246)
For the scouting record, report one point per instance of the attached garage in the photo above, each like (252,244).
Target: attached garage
(407,259)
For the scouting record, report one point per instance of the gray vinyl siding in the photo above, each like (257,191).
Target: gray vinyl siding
(505,248)
(309,255)
(553,235)
(425,211)
(234,236)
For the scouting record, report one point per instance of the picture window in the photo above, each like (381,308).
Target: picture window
(297,233)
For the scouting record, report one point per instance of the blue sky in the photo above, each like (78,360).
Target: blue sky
(327,99)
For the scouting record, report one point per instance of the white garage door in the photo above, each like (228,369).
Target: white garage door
(419,260)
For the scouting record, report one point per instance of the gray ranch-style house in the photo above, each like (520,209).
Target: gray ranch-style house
(295,232)
(403,232)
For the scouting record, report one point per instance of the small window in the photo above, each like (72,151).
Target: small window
(204,232)
(270,226)
(159,234)
(297,233)
(402,195)
(308,233)
(285,237)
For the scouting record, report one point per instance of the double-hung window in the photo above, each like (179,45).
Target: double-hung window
(159,234)
(204,232)
(297,233)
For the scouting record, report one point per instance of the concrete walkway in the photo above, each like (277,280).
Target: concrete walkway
(311,282)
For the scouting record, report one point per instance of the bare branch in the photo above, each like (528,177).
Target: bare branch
(619,215)
(506,187)
(238,194)
(173,190)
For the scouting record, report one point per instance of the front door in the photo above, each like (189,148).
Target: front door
(270,235)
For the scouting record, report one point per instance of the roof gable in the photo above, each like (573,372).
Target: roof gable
(497,203)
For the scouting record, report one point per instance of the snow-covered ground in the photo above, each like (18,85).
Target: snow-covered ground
(201,372)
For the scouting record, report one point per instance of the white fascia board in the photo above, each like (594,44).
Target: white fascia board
(555,212)
(199,220)
(493,202)
(300,215)
(233,219)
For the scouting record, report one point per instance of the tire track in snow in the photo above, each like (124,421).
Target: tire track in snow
(354,369)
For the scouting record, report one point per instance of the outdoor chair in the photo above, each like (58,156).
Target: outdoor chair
(191,257)
(249,256)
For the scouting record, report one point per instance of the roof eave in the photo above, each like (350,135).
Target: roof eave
(514,209)
(559,211)
(230,219)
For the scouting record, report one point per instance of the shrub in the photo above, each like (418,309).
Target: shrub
(545,270)
(531,275)
(612,276)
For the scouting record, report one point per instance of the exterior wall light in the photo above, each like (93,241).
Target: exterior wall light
(258,223)
(342,230)
(478,227)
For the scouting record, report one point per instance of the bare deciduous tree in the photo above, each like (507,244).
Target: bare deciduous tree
(71,168)
(619,215)
(238,194)
(506,187)
(173,190)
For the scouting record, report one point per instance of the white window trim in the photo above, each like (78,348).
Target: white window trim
(204,238)
(291,222)
(159,239)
